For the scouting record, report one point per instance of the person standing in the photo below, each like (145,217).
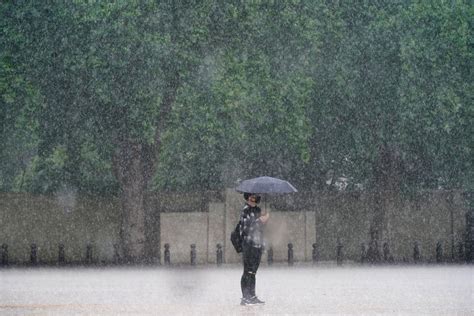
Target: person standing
(251,224)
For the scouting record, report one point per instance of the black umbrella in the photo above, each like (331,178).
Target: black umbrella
(265,185)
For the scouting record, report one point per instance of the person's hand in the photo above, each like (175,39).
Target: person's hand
(264,218)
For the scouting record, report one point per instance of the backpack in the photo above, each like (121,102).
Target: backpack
(236,239)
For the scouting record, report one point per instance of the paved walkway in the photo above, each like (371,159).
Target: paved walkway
(320,290)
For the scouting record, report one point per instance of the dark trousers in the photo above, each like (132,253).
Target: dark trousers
(251,258)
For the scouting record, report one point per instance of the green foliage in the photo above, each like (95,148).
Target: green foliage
(102,70)
(249,117)
(18,101)
(378,93)
(438,92)
(49,174)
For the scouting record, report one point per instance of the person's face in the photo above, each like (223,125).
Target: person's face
(254,199)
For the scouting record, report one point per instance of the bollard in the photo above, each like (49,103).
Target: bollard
(193,254)
(167,255)
(363,252)
(270,256)
(416,252)
(461,258)
(439,252)
(339,253)
(315,254)
(34,254)
(89,254)
(4,258)
(61,254)
(219,255)
(386,252)
(116,254)
(290,254)
(469,233)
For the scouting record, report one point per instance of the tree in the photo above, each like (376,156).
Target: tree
(124,98)
(249,120)
(436,94)
(18,99)
(109,75)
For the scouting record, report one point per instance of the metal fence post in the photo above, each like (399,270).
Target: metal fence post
(290,254)
(386,252)
(363,252)
(167,255)
(4,258)
(34,254)
(315,253)
(89,254)
(339,253)
(416,252)
(117,259)
(461,257)
(61,254)
(219,255)
(439,252)
(193,254)
(270,256)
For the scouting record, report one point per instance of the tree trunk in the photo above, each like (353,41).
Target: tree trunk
(387,174)
(376,228)
(135,165)
(132,168)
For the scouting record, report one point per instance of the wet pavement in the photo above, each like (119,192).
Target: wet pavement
(307,290)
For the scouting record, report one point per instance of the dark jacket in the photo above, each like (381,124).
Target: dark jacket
(251,227)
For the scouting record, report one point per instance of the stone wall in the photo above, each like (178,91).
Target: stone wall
(324,219)
(48,221)
(301,219)
(427,219)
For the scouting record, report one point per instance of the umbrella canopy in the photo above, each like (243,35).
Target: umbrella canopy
(265,185)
